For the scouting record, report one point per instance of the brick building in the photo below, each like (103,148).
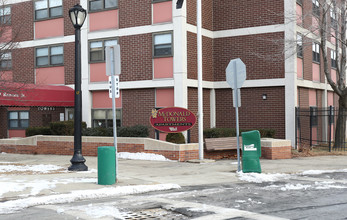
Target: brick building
(159,59)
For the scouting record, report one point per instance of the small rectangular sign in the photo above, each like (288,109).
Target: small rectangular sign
(249,147)
(116,85)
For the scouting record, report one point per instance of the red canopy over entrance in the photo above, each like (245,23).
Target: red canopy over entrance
(18,94)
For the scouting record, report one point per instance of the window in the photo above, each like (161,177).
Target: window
(97,49)
(5,15)
(314,116)
(315,7)
(18,119)
(162,45)
(299,50)
(49,56)
(333,20)
(45,9)
(333,59)
(104,118)
(315,52)
(98,5)
(6,61)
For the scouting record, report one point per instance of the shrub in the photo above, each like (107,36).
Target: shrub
(64,127)
(176,138)
(134,131)
(106,132)
(31,131)
(231,132)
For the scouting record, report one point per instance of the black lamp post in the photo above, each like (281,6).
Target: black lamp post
(77,16)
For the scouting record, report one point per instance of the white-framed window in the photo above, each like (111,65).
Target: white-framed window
(333,59)
(49,56)
(104,118)
(315,52)
(97,49)
(315,7)
(333,20)
(45,9)
(99,5)
(5,15)
(18,119)
(6,61)
(162,44)
(299,48)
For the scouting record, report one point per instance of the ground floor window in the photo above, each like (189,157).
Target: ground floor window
(104,118)
(18,119)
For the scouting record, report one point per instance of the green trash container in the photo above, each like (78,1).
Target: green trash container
(106,165)
(251,151)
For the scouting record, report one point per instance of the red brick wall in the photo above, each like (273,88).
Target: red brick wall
(254,113)
(137,105)
(134,13)
(136,57)
(193,106)
(250,13)
(36,115)
(262,54)
(69,63)
(207,57)
(22,20)
(276,153)
(68,27)
(23,65)
(91,149)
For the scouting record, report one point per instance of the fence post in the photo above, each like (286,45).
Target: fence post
(311,121)
(330,122)
(296,127)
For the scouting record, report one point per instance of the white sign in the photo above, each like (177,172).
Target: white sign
(236,73)
(249,147)
(113,61)
(116,85)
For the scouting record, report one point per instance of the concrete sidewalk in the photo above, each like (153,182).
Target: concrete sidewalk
(139,172)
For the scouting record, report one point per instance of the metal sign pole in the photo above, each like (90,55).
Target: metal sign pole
(236,97)
(114,107)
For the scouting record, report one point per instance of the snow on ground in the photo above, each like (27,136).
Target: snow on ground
(318,172)
(262,177)
(16,205)
(94,211)
(141,156)
(6,167)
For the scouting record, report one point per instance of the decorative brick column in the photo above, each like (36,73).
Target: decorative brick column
(275,149)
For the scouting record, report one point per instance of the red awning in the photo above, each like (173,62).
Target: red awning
(19,94)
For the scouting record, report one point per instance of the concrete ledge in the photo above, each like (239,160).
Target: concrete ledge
(270,142)
(274,149)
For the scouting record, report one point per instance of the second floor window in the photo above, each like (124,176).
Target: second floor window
(299,49)
(315,52)
(45,9)
(97,49)
(5,15)
(162,45)
(98,5)
(315,7)
(333,59)
(333,19)
(49,56)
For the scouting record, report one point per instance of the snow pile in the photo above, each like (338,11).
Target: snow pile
(41,168)
(318,172)
(262,177)
(15,205)
(141,156)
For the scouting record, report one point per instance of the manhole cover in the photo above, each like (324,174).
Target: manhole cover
(157,213)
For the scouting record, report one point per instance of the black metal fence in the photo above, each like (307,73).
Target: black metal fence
(315,127)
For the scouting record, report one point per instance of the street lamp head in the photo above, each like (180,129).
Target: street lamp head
(77,16)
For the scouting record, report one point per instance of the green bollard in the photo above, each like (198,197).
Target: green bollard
(106,165)
(251,152)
